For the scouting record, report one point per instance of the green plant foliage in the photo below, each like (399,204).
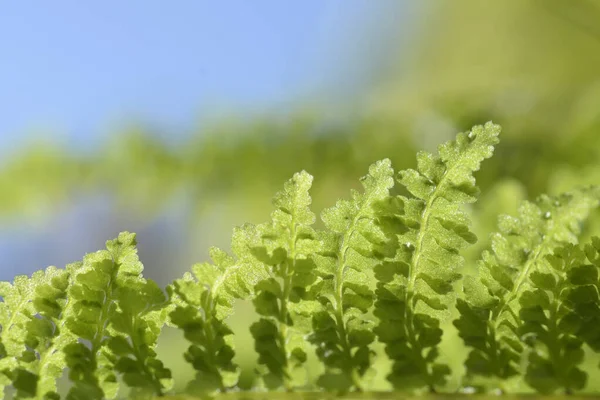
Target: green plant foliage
(31,347)
(137,323)
(585,295)
(490,321)
(46,337)
(415,286)
(16,310)
(550,323)
(203,301)
(504,197)
(341,332)
(143,173)
(283,299)
(117,316)
(385,264)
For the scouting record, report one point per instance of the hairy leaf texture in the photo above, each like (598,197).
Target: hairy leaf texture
(351,246)
(204,299)
(15,311)
(550,323)
(490,320)
(415,287)
(43,361)
(116,314)
(284,250)
(30,316)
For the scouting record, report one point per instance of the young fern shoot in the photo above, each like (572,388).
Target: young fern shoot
(351,245)
(415,287)
(490,321)
(283,299)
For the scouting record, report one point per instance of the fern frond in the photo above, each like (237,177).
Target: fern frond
(43,361)
(16,312)
(134,329)
(205,299)
(117,331)
(585,296)
(341,332)
(550,323)
(284,250)
(489,321)
(415,287)
(32,340)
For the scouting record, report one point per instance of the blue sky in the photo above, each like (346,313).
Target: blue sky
(76,69)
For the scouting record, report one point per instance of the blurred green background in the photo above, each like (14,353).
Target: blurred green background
(328,87)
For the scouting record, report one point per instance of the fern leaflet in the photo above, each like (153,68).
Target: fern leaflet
(489,321)
(549,322)
(46,338)
(284,248)
(341,332)
(429,228)
(204,300)
(111,324)
(134,329)
(30,346)
(585,296)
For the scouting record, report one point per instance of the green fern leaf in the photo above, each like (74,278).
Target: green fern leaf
(118,313)
(429,228)
(489,321)
(44,361)
(16,311)
(134,329)
(203,301)
(585,296)
(341,332)
(550,323)
(31,346)
(283,249)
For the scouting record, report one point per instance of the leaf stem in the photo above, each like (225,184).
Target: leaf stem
(287,274)
(521,279)
(413,272)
